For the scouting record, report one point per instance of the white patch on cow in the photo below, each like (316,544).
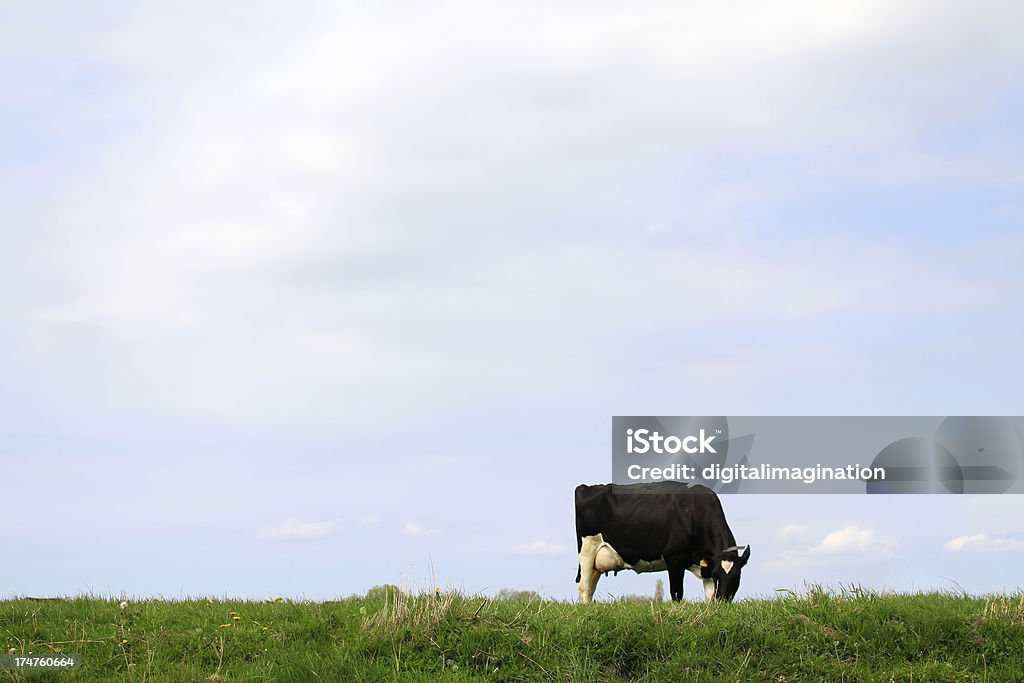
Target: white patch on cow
(727,565)
(695,570)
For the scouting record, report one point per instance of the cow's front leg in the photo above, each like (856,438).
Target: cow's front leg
(709,589)
(676,570)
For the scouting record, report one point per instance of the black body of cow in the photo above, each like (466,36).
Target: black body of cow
(681,523)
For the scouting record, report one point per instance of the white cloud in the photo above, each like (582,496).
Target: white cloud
(982,543)
(852,540)
(414,529)
(295,530)
(540,548)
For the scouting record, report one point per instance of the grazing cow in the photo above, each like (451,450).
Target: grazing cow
(654,527)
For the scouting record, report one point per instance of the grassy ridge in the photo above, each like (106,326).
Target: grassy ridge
(818,636)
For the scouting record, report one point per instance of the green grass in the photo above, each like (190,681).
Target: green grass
(848,635)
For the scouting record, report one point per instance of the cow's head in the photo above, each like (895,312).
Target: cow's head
(724,569)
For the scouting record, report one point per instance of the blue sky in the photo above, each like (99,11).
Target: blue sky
(304,300)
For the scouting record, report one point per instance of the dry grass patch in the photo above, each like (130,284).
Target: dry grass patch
(1009,608)
(421,613)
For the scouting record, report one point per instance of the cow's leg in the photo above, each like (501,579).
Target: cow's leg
(588,571)
(588,584)
(676,571)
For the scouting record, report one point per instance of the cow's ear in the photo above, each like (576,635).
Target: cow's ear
(745,555)
(706,568)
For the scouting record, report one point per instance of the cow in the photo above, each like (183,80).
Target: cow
(660,526)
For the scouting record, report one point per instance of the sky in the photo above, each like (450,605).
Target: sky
(299,299)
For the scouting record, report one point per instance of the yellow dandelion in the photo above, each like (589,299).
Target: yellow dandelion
(278,599)
(232,613)
(237,618)
(264,628)
(124,641)
(225,625)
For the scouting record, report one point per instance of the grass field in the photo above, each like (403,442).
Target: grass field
(848,635)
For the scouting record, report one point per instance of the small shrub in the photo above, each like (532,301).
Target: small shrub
(382,592)
(510,595)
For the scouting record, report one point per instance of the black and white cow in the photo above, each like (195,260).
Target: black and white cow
(655,527)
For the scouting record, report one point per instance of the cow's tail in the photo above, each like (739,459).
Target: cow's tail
(579,539)
(579,548)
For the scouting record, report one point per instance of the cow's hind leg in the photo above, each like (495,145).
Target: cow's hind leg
(588,574)
(588,583)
